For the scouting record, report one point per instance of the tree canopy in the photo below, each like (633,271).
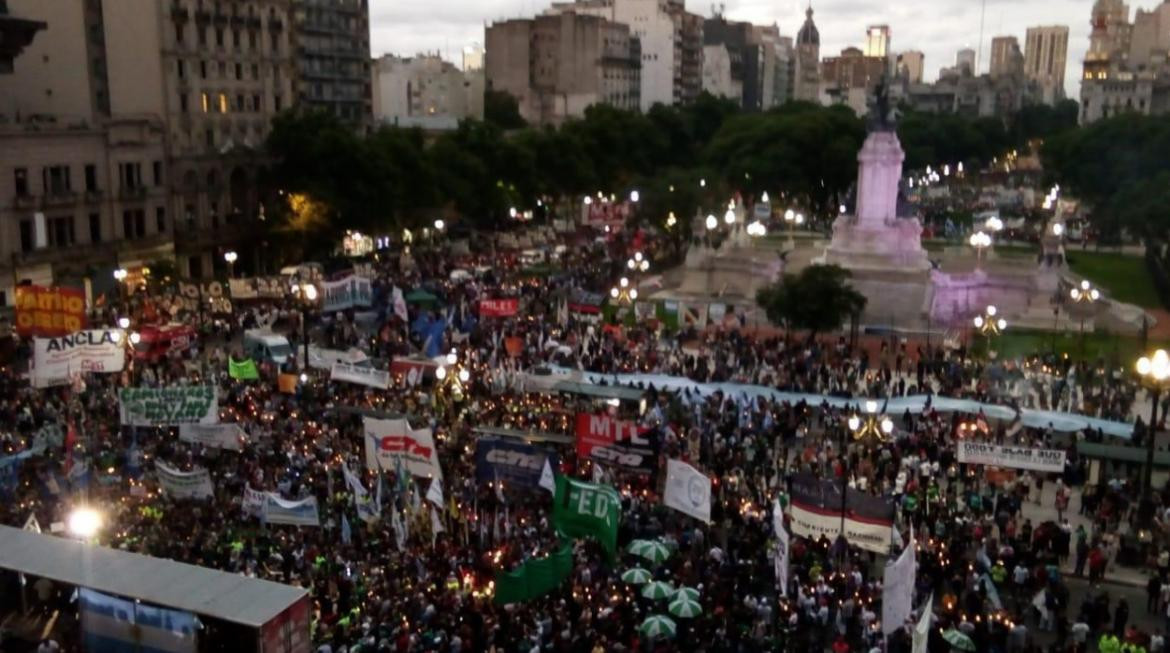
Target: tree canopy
(818,299)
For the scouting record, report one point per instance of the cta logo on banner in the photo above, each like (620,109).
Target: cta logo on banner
(390,442)
(815,510)
(515,463)
(194,404)
(982,453)
(292,513)
(49,312)
(347,293)
(184,485)
(97,350)
(367,376)
(688,490)
(499,307)
(228,435)
(616,441)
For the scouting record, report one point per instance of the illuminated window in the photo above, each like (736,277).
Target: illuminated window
(206,103)
(223,103)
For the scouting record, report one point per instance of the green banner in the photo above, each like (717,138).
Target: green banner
(587,510)
(244,370)
(534,578)
(171,406)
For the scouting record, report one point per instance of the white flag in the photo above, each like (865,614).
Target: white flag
(400,305)
(435,492)
(399,530)
(436,524)
(547,480)
(781,561)
(688,490)
(922,628)
(898,589)
(778,519)
(32,524)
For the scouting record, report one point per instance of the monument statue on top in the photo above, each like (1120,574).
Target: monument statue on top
(878,236)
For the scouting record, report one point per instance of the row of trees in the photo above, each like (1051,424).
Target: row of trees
(803,153)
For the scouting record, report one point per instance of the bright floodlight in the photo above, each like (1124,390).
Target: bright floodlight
(84,522)
(124,322)
(120,274)
(991,310)
(978,321)
(702,183)
(440,372)
(764,197)
(711,222)
(464,375)
(635,196)
(440,225)
(854,423)
(452,357)
(1057,229)
(1002,324)
(1094,294)
(799,218)
(310,292)
(633,293)
(870,406)
(624,282)
(1085,284)
(135,338)
(729,217)
(588,200)
(630,264)
(887,426)
(304,377)
(638,256)
(613,292)
(789,215)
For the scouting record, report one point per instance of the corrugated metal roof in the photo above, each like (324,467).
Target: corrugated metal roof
(207,592)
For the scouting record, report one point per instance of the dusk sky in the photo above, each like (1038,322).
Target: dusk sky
(937,27)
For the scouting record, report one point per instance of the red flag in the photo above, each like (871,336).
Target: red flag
(70,443)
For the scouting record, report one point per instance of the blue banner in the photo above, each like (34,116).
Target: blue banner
(515,463)
(112,624)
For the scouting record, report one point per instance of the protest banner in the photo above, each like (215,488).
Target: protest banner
(615,441)
(292,513)
(499,307)
(815,510)
(227,435)
(244,370)
(211,295)
(515,463)
(534,578)
(170,406)
(390,442)
(109,623)
(49,312)
(898,590)
(412,371)
(183,485)
(687,490)
(361,375)
(96,350)
(253,501)
(272,287)
(984,453)
(347,293)
(583,509)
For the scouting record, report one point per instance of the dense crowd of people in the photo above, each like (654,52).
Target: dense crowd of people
(419,577)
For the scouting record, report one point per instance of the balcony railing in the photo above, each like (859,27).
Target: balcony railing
(59,198)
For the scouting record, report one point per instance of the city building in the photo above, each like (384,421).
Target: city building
(734,62)
(965,59)
(1127,66)
(668,39)
(1045,59)
(473,57)
(777,54)
(1006,58)
(972,96)
(426,92)
(911,65)
(851,78)
(877,41)
(807,71)
(332,48)
(558,65)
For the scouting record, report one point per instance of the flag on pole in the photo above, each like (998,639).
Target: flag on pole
(400,305)
(922,629)
(547,480)
(435,492)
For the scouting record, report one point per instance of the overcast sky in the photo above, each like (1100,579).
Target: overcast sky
(937,27)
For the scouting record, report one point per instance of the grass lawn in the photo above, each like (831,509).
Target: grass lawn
(1017,343)
(1120,276)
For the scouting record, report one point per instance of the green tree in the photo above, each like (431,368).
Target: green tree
(818,299)
(502,110)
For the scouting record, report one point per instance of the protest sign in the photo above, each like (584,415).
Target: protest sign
(96,350)
(984,453)
(515,463)
(499,307)
(211,295)
(49,312)
(615,441)
(183,485)
(347,293)
(898,590)
(688,490)
(292,513)
(583,509)
(171,406)
(361,375)
(534,578)
(253,501)
(273,287)
(815,510)
(227,435)
(390,442)
(244,370)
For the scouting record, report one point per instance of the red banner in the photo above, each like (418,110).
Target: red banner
(49,312)
(499,307)
(412,371)
(623,442)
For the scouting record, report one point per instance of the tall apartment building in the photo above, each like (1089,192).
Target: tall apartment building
(851,78)
(965,60)
(671,47)
(472,57)
(877,41)
(558,65)
(734,62)
(1006,58)
(426,92)
(911,65)
(1127,67)
(1045,57)
(332,47)
(807,83)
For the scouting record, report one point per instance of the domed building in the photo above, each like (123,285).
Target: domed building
(808,60)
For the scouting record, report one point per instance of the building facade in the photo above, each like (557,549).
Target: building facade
(1127,66)
(877,41)
(426,92)
(558,65)
(911,65)
(851,77)
(1045,59)
(807,72)
(1006,58)
(332,46)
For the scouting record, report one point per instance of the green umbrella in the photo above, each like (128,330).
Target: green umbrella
(420,296)
(652,550)
(657,589)
(685,607)
(959,640)
(689,592)
(658,626)
(636,576)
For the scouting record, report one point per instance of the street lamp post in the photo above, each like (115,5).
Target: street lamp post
(989,324)
(453,376)
(307,293)
(980,240)
(120,276)
(230,256)
(1084,297)
(1154,372)
(623,293)
(873,425)
(793,219)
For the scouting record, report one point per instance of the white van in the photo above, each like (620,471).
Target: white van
(265,345)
